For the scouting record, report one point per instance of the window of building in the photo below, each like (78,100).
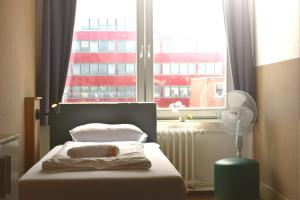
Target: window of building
(192,68)
(174,91)
(183,91)
(103,23)
(76,46)
(103,45)
(111,46)
(112,92)
(103,69)
(157,69)
(202,68)
(111,24)
(166,68)
(162,58)
(121,69)
(84,23)
(111,69)
(130,91)
(84,69)
(130,46)
(219,68)
(94,47)
(157,91)
(76,69)
(103,92)
(175,68)
(130,69)
(121,92)
(76,92)
(121,46)
(94,23)
(85,91)
(94,69)
(219,90)
(183,68)
(94,92)
(84,46)
(167,92)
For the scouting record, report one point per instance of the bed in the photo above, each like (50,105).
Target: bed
(161,182)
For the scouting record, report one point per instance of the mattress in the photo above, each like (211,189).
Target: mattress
(161,182)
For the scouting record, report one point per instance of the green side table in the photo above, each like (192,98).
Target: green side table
(236,179)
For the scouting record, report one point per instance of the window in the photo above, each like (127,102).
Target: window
(219,90)
(76,92)
(103,92)
(157,91)
(202,68)
(103,46)
(184,91)
(111,69)
(183,68)
(94,70)
(167,91)
(94,92)
(76,46)
(103,23)
(85,92)
(112,92)
(192,68)
(84,46)
(121,92)
(94,23)
(111,46)
(130,69)
(76,69)
(157,68)
(174,91)
(121,69)
(127,55)
(130,46)
(166,68)
(84,69)
(175,68)
(210,68)
(121,45)
(103,70)
(111,24)
(94,46)
(219,68)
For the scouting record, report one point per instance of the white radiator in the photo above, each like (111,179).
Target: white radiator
(178,144)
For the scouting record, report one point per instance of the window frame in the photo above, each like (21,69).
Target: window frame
(145,65)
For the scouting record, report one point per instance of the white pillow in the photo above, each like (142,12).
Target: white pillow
(97,132)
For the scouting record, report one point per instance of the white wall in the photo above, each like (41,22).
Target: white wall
(276,30)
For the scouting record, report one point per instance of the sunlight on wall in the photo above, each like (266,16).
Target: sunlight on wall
(277,30)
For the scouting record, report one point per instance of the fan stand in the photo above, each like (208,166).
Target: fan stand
(238,140)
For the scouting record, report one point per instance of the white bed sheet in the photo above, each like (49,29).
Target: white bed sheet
(161,182)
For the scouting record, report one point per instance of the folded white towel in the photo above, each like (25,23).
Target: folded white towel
(103,150)
(130,157)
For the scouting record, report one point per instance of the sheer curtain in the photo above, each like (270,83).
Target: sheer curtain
(237,24)
(55,24)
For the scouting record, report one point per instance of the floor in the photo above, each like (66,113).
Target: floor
(200,196)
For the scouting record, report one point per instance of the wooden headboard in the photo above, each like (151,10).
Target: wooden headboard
(143,115)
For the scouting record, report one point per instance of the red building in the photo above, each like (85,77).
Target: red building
(103,69)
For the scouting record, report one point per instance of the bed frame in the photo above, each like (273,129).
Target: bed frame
(143,115)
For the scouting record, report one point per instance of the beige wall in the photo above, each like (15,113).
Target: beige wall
(276,138)
(17,62)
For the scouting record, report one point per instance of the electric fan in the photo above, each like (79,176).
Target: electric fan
(239,116)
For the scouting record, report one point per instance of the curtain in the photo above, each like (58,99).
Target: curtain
(56,32)
(237,24)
